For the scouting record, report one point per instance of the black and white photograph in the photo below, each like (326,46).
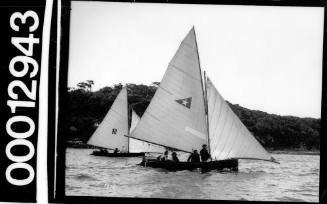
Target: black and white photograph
(193,101)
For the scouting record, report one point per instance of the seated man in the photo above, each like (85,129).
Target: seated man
(174,157)
(165,156)
(204,153)
(194,157)
(116,151)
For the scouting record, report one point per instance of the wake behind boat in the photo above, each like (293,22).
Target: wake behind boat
(186,113)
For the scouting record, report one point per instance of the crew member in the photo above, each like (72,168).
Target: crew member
(204,153)
(116,151)
(194,157)
(165,156)
(174,157)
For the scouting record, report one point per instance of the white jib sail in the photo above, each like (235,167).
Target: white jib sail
(229,138)
(176,115)
(140,146)
(111,131)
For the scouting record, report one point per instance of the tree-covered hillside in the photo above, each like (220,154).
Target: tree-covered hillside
(86,108)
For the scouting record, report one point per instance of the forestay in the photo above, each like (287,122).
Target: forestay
(176,115)
(111,131)
(140,146)
(229,138)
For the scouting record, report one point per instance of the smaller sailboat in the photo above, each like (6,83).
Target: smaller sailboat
(110,133)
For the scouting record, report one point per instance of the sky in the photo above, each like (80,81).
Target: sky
(260,57)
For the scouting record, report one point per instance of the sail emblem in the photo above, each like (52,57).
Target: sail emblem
(114,131)
(185,102)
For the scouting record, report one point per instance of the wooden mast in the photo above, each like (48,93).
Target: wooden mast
(128,116)
(204,91)
(206,108)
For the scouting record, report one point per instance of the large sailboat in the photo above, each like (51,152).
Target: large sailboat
(110,133)
(186,113)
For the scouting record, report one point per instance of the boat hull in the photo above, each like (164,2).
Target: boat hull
(231,165)
(107,154)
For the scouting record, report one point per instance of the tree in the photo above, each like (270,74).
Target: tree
(87,108)
(86,86)
(90,84)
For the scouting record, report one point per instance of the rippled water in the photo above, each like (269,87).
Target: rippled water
(295,179)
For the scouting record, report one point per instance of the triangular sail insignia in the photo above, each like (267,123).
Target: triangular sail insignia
(140,146)
(185,102)
(110,133)
(166,121)
(229,138)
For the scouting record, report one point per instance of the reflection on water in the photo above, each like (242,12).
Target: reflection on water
(295,179)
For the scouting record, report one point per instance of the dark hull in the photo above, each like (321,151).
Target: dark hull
(231,165)
(107,154)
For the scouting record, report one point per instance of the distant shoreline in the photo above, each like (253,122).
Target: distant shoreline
(71,144)
(297,152)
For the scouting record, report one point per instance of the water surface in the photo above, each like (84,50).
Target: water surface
(296,178)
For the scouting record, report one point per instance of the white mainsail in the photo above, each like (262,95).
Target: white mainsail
(140,146)
(111,131)
(228,137)
(176,116)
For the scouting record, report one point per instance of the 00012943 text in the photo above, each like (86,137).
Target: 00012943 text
(22,66)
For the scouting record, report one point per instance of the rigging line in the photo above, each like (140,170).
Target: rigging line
(176,149)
